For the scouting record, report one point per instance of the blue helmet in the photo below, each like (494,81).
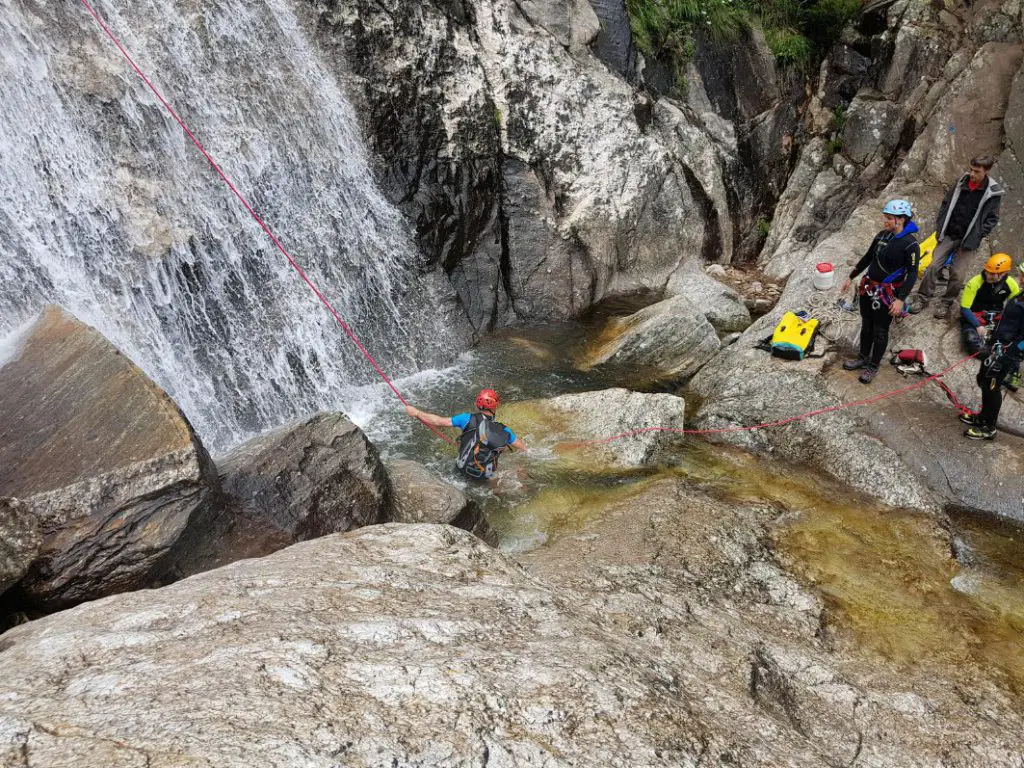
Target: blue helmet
(899,208)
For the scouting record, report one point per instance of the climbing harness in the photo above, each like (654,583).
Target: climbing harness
(882,292)
(481,442)
(994,357)
(989,319)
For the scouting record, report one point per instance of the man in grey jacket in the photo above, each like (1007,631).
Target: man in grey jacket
(969,212)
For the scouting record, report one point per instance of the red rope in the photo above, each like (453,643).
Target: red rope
(790,419)
(256,216)
(369,357)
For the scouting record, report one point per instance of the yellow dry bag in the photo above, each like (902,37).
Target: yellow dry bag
(927,249)
(793,338)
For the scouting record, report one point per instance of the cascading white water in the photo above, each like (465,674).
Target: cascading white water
(107,209)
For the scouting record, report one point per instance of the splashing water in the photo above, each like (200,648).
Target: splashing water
(107,209)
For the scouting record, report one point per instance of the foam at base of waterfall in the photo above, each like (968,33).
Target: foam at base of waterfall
(12,343)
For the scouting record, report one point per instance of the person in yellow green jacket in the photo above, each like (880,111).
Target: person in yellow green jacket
(983,299)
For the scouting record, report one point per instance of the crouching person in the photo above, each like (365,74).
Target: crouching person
(981,303)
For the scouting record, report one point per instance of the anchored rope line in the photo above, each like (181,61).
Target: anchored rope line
(252,212)
(789,419)
(355,340)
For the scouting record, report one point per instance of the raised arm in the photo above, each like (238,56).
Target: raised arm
(428,418)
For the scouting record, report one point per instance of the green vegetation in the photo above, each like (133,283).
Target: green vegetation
(789,46)
(798,32)
(764,227)
(835,143)
(838,118)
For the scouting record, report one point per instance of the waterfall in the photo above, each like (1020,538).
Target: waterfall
(107,209)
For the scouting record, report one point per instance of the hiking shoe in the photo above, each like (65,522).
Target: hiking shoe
(855,364)
(942,310)
(868,374)
(916,304)
(980,432)
(969,418)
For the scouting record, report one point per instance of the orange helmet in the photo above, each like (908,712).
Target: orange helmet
(487,400)
(998,264)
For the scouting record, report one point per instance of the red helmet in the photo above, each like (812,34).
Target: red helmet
(487,400)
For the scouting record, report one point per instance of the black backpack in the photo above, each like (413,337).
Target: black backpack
(479,445)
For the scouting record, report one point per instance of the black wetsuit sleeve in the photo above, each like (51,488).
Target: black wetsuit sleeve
(861,265)
(911,257)
(1010,331)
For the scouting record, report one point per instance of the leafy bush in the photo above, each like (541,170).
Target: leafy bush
(797,31)
(668,26)
(789,46)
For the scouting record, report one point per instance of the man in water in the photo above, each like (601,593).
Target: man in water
(482,439)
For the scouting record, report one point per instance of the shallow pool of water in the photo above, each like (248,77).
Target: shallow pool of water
(889,576)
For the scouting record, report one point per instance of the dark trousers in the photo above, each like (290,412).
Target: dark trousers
(874,330)
(958,270)
(991,385)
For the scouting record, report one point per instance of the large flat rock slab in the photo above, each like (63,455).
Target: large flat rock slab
(73,407)
(605,429)
(392,645)
(101,456)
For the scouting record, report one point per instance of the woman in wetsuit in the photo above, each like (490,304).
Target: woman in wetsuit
(891,264)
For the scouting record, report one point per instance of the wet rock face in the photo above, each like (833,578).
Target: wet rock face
(614,44)
(522,158)
(665,342)
(422,497)
(434,129)
(1010,232)
(298,482)
(20,540)
(102,458)
(572,23)
(738,87)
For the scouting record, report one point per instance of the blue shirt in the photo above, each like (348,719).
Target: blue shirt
(461,421)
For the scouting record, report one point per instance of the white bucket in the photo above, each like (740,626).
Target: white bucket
(824,276)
